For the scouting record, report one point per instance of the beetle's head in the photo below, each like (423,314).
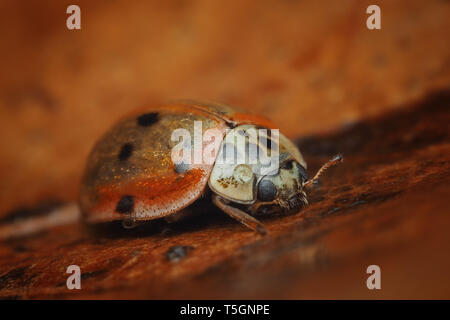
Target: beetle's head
(282,191)
(262,187)
(285,191)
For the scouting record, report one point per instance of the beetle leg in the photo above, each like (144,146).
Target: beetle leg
(240,215)
(254,207)
(129,223)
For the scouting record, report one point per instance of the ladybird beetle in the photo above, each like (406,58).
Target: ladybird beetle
(131,174)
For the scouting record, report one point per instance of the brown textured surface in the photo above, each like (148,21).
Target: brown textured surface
(386,205)
(312,67)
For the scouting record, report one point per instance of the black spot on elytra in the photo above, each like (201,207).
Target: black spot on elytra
(125,151)
(147,119)
(125,204)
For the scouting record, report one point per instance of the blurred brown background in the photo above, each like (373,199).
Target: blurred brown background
(311,66)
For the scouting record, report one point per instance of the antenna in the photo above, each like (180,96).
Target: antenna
(334,161)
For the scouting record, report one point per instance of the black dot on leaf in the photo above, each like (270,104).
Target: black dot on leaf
(147,119)
(125,204)
(125,151)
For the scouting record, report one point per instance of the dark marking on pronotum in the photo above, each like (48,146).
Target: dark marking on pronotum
(269,143)
(266,140)
(125,151)
(303,172)
(147,119)
(181,167)
(242,133)
(125,204)
(288,165)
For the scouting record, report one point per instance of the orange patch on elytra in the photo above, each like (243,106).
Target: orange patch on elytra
(153,191)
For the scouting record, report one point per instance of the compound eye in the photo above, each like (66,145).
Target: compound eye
(266,190)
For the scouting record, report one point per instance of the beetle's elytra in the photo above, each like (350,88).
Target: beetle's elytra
(131,174)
